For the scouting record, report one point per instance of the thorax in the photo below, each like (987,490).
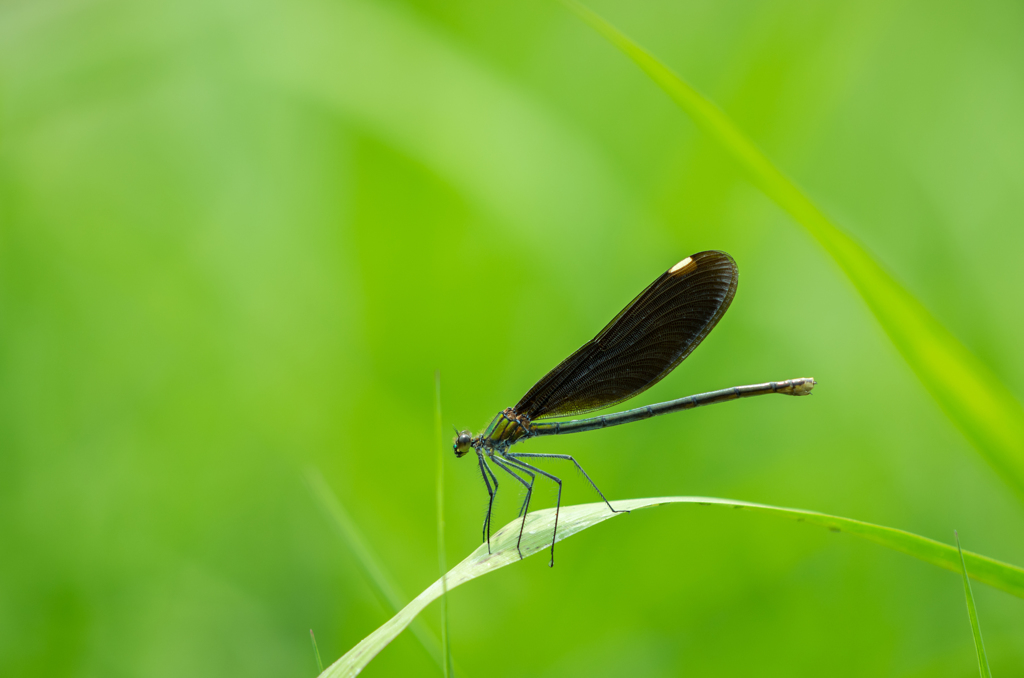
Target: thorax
(505,429)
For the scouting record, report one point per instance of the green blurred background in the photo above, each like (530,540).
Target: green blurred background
(238,238)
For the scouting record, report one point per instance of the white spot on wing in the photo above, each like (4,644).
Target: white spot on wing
(681,265)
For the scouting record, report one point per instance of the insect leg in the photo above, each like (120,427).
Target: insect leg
(523,466)
(580,468)
(485,470)
(529,492)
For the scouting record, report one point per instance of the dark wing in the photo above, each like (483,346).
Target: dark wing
(643,343)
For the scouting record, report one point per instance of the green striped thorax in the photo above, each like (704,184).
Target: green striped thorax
(505,429)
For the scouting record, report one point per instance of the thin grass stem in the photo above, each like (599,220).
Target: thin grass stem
(972,613)
(380,581)
(446,650)
(319,664)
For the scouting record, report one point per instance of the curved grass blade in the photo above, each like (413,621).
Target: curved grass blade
(973,398)
(573,519)
(972,612)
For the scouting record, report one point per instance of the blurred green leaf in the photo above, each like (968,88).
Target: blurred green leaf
(388,71)
(972,612)
(376,575)
(574,519)
(973,398)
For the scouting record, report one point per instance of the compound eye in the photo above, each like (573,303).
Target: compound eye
(465,438)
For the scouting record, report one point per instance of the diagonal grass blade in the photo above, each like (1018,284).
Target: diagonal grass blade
(378,578)
(970,394)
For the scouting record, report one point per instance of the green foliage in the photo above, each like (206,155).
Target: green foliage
(237,240)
